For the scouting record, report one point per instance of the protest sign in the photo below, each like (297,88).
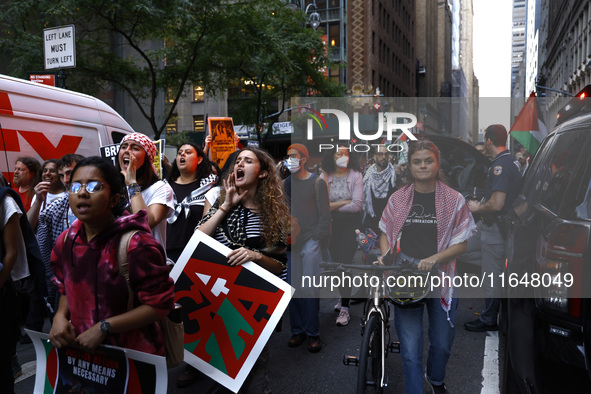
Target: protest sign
(109,369)
(229,312)
(222,139)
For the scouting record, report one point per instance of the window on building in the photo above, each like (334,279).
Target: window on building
(199,123)
(334,36)
(198,93)
(171,126)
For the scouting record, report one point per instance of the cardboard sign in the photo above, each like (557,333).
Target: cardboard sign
(229,312)
(109,369)
(222,139)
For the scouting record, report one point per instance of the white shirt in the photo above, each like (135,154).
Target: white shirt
(160,193)
(213,194)
(49,198)
(21,267)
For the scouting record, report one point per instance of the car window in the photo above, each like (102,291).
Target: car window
(561,173)
(532,184)
(462,169)
(582,204)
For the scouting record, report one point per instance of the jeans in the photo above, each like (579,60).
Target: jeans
(303,309)
(409,326)
(492,251)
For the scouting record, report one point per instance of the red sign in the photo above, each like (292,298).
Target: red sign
(45,79)
(420,126)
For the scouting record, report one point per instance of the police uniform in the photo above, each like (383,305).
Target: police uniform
(503,175)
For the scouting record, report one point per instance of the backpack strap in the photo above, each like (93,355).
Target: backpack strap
(123,263)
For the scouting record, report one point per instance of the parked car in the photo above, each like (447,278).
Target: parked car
(45,122)
(463,166)
(548,325)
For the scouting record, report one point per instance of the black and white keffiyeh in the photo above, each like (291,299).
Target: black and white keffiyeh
(378,183)
(197,197)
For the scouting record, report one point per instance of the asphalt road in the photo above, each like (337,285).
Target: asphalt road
(295,370)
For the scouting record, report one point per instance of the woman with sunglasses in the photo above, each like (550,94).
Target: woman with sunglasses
(93,306)
(144,190)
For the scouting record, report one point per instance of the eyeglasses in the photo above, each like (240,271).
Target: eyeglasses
(91,187)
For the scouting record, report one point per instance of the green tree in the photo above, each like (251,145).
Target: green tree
(151,49)
(273,57)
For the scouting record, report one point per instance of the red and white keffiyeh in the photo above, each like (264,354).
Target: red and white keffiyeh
(145,142)
(454,226)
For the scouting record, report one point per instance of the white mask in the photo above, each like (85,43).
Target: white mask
(342,161)
(293,164)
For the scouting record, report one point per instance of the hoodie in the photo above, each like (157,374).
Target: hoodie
(87,273)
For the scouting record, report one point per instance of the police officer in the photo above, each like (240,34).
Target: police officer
(502,187)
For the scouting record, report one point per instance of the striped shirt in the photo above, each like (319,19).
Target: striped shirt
(254,228)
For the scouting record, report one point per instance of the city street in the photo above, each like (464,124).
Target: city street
(473,366)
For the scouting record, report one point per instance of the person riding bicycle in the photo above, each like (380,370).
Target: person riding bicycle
(433,223)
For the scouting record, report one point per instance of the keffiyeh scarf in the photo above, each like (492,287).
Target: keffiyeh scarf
(378,183)
(197,197)
(454,226)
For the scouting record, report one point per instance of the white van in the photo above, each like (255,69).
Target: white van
(46,123)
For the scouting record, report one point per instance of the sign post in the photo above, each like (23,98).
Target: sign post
(59,50)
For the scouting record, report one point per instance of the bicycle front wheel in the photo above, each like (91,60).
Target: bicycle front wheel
(369,373)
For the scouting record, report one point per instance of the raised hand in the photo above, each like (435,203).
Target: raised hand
(232,196)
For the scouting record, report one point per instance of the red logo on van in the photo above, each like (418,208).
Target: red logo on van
(37,140)
(5,106)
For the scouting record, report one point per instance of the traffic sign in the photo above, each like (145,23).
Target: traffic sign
(59,47)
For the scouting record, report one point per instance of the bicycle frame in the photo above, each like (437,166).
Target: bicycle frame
(378,305)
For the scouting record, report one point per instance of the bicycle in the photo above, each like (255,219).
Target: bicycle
(375,327)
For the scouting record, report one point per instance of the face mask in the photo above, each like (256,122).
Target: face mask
(342,162)
(293,164)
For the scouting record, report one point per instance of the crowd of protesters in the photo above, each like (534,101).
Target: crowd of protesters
(64,219)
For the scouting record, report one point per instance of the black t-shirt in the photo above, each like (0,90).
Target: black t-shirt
(419,234)
(179,233)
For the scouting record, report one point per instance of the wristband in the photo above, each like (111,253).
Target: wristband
(133,190)
(223,210)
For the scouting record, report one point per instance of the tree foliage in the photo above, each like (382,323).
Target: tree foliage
(152,49)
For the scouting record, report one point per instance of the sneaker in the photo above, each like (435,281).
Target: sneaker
(343,318)
(16,367)
(435,389)
(478,326)
(338,306)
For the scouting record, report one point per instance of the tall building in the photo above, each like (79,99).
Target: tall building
(566,49)
(518,38)
(381,50)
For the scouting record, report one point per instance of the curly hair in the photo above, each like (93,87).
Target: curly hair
(271,199)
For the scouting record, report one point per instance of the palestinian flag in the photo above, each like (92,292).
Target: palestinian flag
(529,128)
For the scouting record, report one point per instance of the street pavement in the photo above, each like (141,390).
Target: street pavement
(295,370)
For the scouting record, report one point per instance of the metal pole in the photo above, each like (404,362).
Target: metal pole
(555,90)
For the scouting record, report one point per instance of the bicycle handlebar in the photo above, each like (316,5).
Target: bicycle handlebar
(403,295)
